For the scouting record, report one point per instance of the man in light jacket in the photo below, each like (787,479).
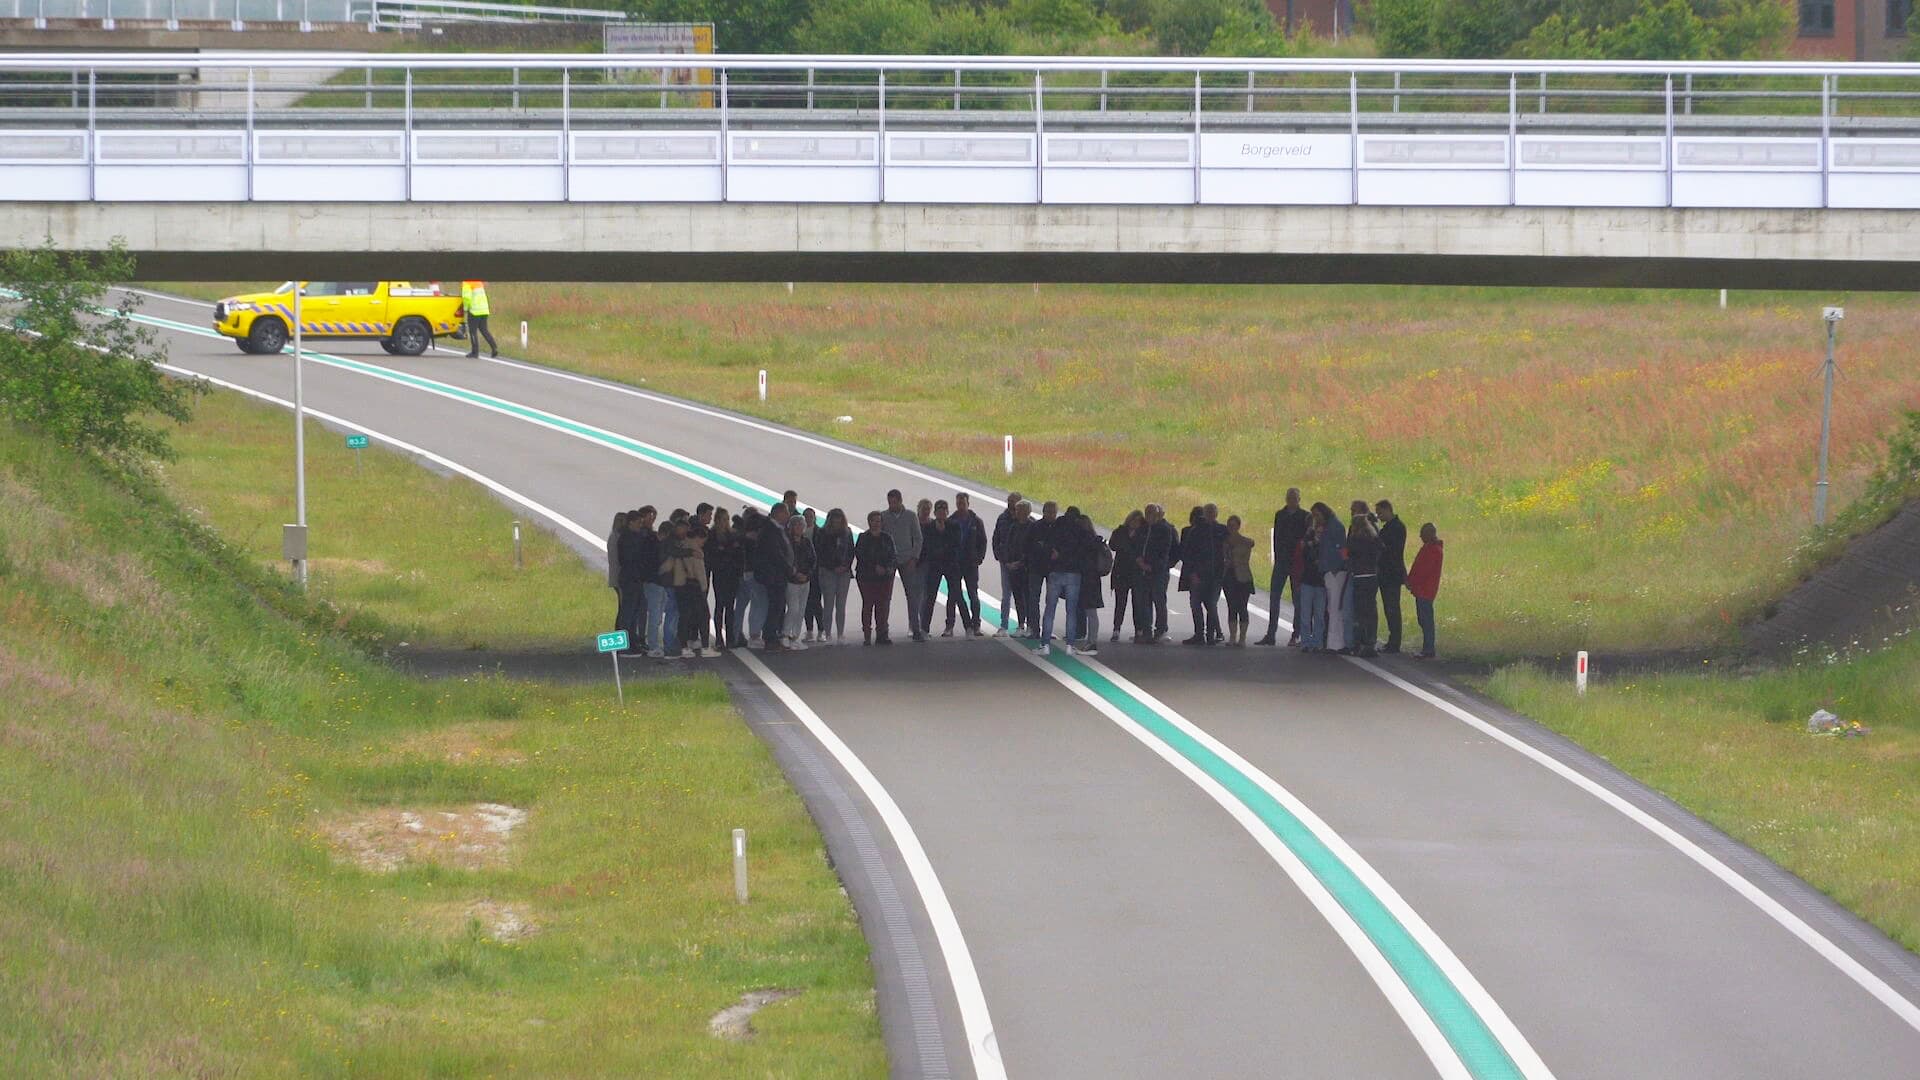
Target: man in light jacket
(903,525)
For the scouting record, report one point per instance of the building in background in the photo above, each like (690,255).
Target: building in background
(1329,18)
(1851,29)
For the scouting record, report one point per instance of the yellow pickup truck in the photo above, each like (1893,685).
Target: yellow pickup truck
(403,317)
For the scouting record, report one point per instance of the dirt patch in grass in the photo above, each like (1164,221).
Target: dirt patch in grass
(476,837)
(480,743)
(735,1022)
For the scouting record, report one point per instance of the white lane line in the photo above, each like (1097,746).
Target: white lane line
(1798,927)
(1502,1026)
(981,1043)
(1432,1042)
(982,1047)
(1819,942)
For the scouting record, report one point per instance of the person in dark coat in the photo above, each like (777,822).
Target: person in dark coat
(1018,593)
(973,551)
(940,552)
(1125,545)
(1039,561)
(1200,563)
(874,561)
(773,569)
(1159,550)
(639,561)
(1393,570)
(1006,552)
(725,564)
(1289,528)
(1363,564)
(1066,551)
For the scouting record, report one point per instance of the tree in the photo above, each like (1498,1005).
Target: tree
(1187,27)
(1075,19)
(87,379)
(963,31)
(867,26)
(1561,38)
(1669,31)
(1476,29)
(1749,29)
(1246,33)
(741,26)
(1401,27)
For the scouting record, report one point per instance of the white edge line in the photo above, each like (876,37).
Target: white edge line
(1819,942)
(1445,1059)
(1501,1026)
(981,1045)
(1794,924)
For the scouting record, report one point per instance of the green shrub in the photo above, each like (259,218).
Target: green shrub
(85,379)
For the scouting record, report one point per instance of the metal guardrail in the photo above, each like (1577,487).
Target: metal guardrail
(413,14)
(1784,130)
(376,14)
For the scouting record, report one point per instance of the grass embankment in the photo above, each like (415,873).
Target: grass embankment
(1842,813)
(189,752)
(429,558)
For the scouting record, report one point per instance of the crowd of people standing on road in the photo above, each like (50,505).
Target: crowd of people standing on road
(780,579)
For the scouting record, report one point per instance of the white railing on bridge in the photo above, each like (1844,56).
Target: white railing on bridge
(938,130)
(374,14)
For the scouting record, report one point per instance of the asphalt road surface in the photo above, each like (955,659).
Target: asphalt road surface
(1168,861)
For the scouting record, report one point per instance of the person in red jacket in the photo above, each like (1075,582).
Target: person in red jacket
(1423,581)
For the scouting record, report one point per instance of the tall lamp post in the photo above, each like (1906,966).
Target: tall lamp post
(293,542)
(1832,317)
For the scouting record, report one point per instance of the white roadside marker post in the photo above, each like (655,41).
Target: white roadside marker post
(523,334)
(518,562)
(763,384)
(1723,299)
(740,865)
(1009,455)
(1580,672)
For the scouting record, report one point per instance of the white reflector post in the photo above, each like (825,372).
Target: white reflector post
(1009,455)
(740,865)
(763,384)
(1580,672)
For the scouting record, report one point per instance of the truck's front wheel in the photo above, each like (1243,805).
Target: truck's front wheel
(267,336)
(411,337)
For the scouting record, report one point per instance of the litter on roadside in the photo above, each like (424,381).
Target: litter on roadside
(1823,722)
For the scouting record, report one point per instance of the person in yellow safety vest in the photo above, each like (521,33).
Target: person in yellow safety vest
(473,297)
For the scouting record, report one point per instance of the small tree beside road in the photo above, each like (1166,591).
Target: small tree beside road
(82,374)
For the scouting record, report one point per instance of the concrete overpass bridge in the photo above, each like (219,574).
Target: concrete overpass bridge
(1018,169)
